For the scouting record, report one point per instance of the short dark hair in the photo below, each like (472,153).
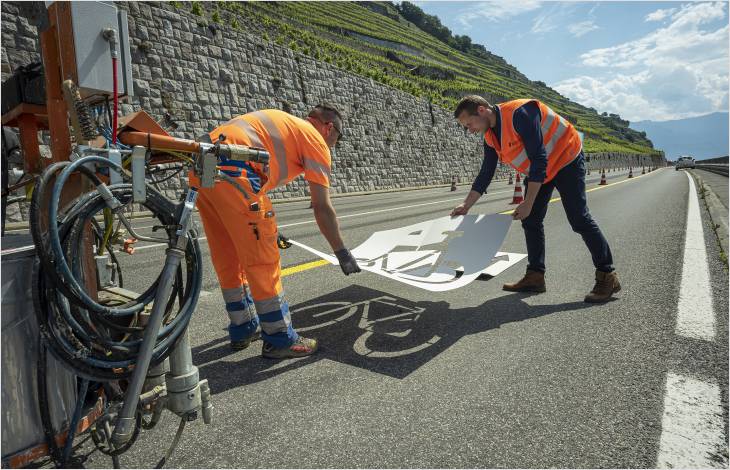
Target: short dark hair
(470,104)
(328,113)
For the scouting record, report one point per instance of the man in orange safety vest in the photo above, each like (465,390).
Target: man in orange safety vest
(242,232)
(530,137)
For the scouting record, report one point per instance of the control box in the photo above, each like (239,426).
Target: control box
(91,67)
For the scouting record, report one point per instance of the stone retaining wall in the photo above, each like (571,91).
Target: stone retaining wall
(190,78)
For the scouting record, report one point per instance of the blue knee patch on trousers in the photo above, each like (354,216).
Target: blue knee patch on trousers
(244,330)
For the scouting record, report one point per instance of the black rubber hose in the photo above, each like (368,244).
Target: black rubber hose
(43,405)
(80,400)
(41,239)
(146,297)
(64,271)
(66,345)
(78,334)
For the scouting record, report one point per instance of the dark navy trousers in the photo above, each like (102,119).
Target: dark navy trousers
(571,184)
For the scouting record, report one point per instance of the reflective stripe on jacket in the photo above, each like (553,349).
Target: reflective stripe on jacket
(294,145)
(561,140)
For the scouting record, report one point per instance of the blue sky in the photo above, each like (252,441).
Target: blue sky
(642,60)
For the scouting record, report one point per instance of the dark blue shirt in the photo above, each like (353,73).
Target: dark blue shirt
(526,120)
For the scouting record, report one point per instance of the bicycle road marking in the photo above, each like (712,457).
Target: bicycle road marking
(345,310)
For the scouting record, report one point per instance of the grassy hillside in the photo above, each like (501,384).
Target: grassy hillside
(373,39)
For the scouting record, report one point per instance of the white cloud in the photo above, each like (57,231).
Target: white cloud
(661,94)
(659,15)
(677,71)
(543,24)
(551,19)
(681,39)
(582,28)
(496,11)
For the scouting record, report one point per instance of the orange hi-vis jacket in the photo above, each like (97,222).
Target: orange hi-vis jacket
(294,145)
(561,140)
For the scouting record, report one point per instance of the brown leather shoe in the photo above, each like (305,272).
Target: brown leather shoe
(533,281)
(606,285)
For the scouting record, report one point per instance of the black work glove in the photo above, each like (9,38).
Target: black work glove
(347,262)
(282,242)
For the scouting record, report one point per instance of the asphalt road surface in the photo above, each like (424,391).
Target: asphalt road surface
(475,377)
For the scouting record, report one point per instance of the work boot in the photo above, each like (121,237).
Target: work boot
(606,285)
(533,281)
(242,344)
(300,348)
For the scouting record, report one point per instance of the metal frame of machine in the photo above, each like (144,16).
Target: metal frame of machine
(144,366)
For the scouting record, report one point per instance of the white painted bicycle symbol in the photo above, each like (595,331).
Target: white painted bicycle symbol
(400,324)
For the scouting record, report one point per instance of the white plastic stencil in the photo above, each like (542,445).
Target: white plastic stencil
(436,255)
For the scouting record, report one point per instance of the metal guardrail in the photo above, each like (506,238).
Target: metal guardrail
(719,168)
(714,160)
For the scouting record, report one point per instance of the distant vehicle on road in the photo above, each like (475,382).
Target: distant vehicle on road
(685,161)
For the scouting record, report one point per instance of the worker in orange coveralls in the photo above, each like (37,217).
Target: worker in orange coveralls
(242,233)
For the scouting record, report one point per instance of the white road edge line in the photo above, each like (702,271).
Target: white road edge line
(693,429)
(695,315)
(692,425)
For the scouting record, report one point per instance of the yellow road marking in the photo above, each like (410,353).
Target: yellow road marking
(303,267)
(555,199)
(316,264)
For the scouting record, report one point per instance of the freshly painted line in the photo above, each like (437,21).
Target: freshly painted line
(695,315)
(692,425)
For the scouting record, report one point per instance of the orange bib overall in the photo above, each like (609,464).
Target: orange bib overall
(242,232)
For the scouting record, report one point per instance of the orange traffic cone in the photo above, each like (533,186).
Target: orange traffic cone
(510,183)
(517,198)
(453,183)
(631,172)
(603,179)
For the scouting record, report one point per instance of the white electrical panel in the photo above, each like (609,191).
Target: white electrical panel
(92,50)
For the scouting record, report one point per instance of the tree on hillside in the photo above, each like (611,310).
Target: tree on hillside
(428,23)
(463,43)
(432,25)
